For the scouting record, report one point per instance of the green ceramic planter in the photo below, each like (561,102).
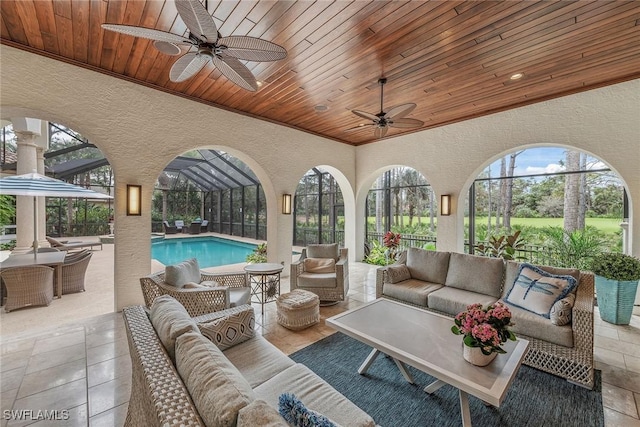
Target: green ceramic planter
(615,299)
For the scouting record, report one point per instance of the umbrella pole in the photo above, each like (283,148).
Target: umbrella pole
(35,225)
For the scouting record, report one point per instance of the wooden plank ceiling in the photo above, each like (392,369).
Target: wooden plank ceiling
(453,59)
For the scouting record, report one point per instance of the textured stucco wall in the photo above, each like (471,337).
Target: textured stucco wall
(140,130)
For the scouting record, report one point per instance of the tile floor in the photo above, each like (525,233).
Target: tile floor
(82,369)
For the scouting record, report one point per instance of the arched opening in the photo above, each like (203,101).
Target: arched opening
(546,205)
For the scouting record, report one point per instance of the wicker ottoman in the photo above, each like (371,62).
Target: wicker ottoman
(298,309)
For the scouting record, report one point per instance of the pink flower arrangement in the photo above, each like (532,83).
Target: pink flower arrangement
(486,328)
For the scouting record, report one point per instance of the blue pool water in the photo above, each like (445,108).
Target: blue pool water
(210,251)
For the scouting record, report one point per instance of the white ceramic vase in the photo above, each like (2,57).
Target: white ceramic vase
(475,356)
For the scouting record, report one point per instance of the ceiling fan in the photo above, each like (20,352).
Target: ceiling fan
(207,45)
(393,118)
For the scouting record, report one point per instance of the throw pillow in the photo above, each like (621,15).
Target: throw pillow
(319,265)
(259,413)
(238,325)
(217,388)
(206,284)
(298,415)
(184,272)
(170,320)
(398,273)
(560,314)
(537,291)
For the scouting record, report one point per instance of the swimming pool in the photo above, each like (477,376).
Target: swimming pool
(210,251)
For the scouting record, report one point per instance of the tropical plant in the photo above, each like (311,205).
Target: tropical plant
(8,246)
(573,249)
(504,246)
(378,254)
(486,328)
(258,255)
(616,266)
(7,209)
(391,241)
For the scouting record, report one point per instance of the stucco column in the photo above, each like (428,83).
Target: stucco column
(27,163)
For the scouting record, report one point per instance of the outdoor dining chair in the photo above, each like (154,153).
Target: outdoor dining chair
(27,286)
(73,272)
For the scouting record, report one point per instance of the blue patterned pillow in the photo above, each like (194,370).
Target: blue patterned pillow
(537,291)
(298,415)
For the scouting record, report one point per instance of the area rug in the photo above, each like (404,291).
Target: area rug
(534,399)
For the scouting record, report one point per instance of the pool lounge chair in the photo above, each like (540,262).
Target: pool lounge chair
(179,225)
(204,227)
(66,245)
(169,229)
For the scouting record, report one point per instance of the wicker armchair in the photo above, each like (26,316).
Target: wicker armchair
(330,287)
(197,301)
(73,272)
(27,286)
(169,229)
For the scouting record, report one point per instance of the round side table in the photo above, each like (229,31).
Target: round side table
(264,279)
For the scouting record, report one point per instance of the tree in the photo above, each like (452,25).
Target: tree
(572,192)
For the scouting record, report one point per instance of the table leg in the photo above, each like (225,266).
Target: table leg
(464,409)
(368,361)
(434,386)
(403,370)
(59,280)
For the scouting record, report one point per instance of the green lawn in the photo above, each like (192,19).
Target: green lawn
(607,225)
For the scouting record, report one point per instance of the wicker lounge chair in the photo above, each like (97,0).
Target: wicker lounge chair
(179,225)
(197,301)
(66,245)
(329,286)
(28,286)
(169,229)
(194,228)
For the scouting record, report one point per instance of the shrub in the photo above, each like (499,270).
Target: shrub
(615,266)
(258,255)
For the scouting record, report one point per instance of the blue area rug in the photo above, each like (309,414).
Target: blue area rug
(534,399)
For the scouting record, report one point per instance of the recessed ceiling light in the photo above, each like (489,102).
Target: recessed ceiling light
(516,76)
(321,107)
(259,83)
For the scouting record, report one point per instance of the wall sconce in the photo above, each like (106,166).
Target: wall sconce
(286,204)
(445,204)
(134,200)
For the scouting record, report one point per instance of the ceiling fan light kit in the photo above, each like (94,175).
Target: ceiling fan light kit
(225,53)
(394,118)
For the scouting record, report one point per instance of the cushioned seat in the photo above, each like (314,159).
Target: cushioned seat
(317,280)
(412,290)
(524,322)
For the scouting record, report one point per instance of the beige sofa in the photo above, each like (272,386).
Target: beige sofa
(179,377)
(447,282)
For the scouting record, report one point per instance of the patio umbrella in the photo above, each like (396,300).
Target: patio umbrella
(36,185)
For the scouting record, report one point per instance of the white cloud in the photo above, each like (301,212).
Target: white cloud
(550,168)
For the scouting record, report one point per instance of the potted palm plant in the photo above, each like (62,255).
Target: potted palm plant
(617,277)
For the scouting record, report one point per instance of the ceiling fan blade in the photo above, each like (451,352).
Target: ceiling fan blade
(237,72)
(366,115)
(187,66)
(359,127)
(380,132)
(252,48)
(405,123)
(146,33)
(400,111)
(167,48)
(197,20)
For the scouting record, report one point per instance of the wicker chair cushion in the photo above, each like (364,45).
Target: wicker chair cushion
(184,272)
(561,311)
(537,291)
(259,413)
(323,251)
(170,320)
(317,280)
(429,266)
(217,388)
(398,273)
(319,265)
(475,273)
(235,327)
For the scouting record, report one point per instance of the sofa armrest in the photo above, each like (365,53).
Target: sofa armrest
(199,301)
(582,315)
(297,268)
(381,279)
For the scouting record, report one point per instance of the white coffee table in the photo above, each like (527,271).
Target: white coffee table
(424,340)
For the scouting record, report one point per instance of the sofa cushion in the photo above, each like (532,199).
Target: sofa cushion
(325,250)
(412,291)
(319,280)
(537,291)
(237,326)
(316,393)
(512,270)
(183,272)
(170,320)
(319,265)
(453,300)
(218,390)
(398,273)
(258,360)
(475,273)
(532,325)
(562,310)
(259,413)
(429,266)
